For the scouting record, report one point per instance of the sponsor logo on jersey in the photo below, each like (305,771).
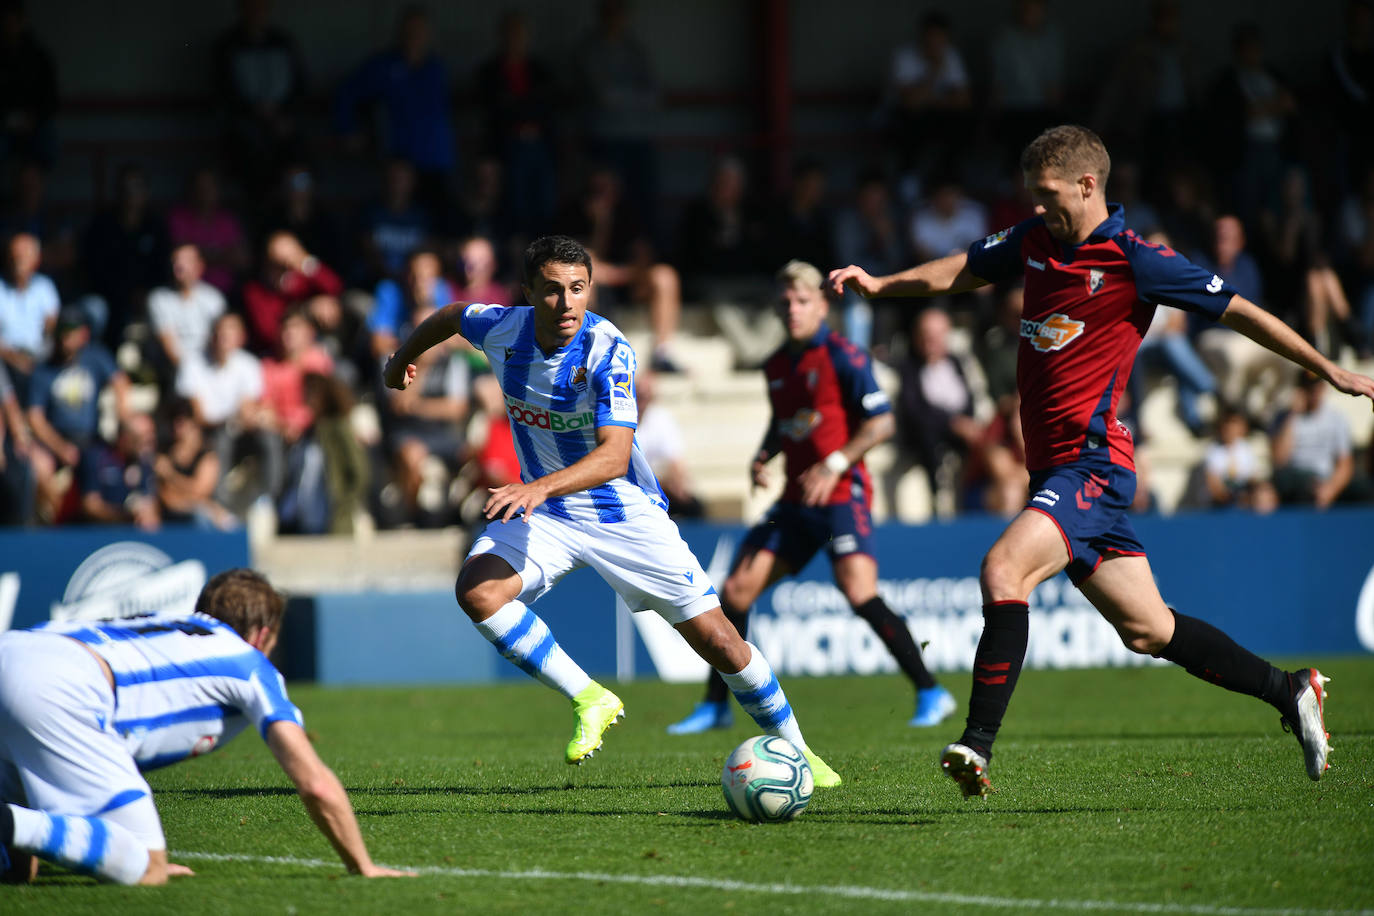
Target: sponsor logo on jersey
(1032,262)
(800,425)
(1054,333)
(542,418)
(874,399)
(1095,280)
(1214,285)
(478,308)
(996,238)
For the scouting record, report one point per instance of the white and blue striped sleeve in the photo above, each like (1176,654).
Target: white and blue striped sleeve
(614,384)
(264,697)
(478,320)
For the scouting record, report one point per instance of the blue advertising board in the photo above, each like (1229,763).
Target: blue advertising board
(1295,583)
(87,573)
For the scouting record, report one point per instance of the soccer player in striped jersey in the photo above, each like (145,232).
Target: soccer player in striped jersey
(586,498)
(1091,290)
(87,706)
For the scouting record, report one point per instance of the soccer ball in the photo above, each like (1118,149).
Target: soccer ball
(767,779)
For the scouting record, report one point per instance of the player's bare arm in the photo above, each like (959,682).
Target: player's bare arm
(324,798)
(1268,331)
(609,460)
(818,481)
(933,278)
(434,330)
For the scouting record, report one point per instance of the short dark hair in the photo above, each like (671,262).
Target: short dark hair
(244,599)
(553,249)
(1068,148)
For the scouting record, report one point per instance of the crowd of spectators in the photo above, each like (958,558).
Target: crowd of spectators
(252,313)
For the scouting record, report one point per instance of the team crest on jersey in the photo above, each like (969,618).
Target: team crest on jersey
(579,379)
(996,238)
(800,425)
(1054,333)
(1095,280)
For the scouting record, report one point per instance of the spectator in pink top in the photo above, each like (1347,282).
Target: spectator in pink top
(283,377)
(478,257)
(215,229)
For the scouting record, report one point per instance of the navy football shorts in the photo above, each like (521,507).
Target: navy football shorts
(1088,504)
(794,533)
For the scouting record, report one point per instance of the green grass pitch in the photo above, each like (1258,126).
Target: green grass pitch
(1137,790)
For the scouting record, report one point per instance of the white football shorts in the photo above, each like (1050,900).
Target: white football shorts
(59,751)
(644,559)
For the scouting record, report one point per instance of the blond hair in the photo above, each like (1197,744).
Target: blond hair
(1070,150)
(799,273)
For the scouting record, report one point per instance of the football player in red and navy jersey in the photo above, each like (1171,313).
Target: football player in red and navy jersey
(828,411)
(1091,290)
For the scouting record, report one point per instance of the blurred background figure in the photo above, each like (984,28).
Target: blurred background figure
(64,405)
(182,315)
(28,310)
(28,90)
(289,277)
(1312,453)
(408,84)
(187,471)
(260,83)
(518,95)
(118,483)
(202,220)
(16,446)
(660,439)
(125,251)
(928,100)
(1230,468)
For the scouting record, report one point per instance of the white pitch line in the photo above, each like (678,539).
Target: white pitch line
(852,892)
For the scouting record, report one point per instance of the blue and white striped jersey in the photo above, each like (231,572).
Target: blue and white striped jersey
(184,684)
(555,403)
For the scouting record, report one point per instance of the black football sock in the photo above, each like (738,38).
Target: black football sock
(716,689)
(1207,653)
(6,824)
(996,666)
(896,635)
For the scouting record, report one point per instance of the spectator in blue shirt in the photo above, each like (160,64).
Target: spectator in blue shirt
(64,402)
(396,302)
(392,227)
(410,85)
(117,483)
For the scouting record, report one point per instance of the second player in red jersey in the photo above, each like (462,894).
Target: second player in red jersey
(828,411)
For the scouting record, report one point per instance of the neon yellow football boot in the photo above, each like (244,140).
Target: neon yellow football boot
(596,709)
(825,777)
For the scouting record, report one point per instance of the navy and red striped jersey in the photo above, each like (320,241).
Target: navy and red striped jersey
(1086,310)
(820,396)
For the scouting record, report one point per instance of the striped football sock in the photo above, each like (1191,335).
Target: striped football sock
(524,640)
(86,844)
(758,691)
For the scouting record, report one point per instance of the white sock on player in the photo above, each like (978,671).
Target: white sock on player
(525,640)
(86,844)
(758,691)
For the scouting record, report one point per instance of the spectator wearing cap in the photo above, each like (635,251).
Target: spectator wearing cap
(64,402)
(28,309)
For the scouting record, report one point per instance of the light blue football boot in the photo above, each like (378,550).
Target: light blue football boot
(704,716)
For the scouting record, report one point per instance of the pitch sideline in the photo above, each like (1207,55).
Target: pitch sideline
(853,892)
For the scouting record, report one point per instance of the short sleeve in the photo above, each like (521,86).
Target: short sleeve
(997,258)
(854,371)
(614,383)
(1165,277)
(478,320)
(264,697)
